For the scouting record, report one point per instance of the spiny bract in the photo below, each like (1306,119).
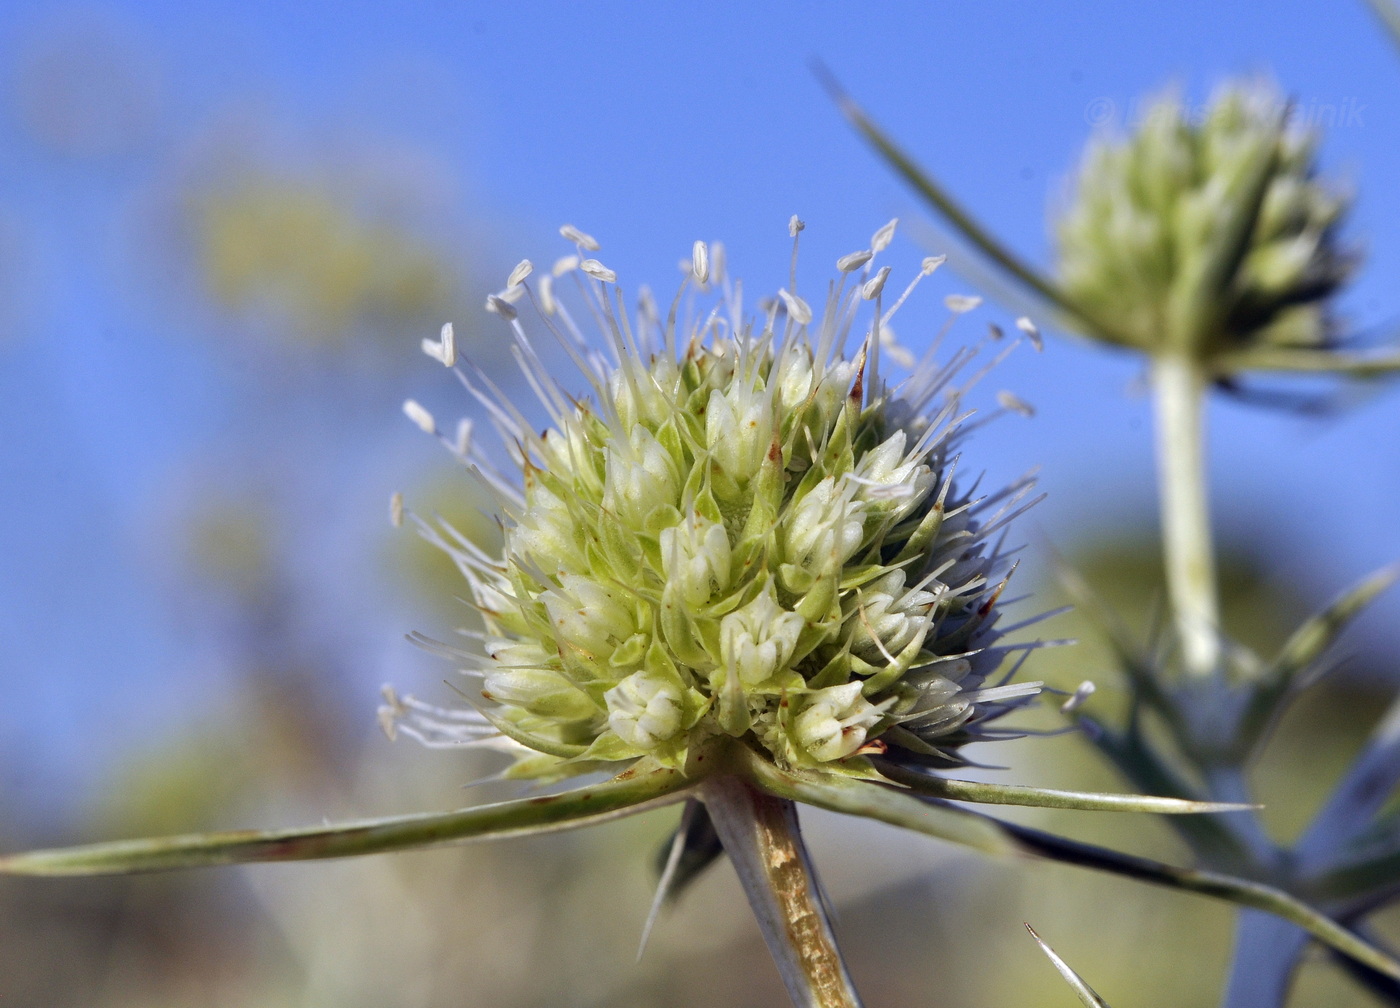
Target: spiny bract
(740,532)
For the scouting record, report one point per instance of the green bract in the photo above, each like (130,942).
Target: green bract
(1202,237)
(741,532)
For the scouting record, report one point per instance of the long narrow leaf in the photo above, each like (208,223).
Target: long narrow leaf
(1304,360)
(944,204)
(883,803)
(986,833)
(1083,991)
(1011,794)
(1207,883)
(1291,670)
(612,799)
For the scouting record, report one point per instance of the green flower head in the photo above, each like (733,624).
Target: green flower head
(740,532)
(1205,235)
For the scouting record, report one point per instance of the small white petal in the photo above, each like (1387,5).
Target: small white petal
(500,306)
(854,261)
(932,263)
(960,303)
(419,415)
(795,225)
(882,238)
(579,238)
(522,269)
(1014,403)
(872,288)
(1032,333)
(700,262)
(595,269)
(396,509)
(797,309)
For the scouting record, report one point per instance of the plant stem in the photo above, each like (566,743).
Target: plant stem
(761,837)
(1179,387)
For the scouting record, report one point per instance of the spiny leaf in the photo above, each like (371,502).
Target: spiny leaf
(986,833)
(1085,993)
(883,803)
(1012,794)
(622,796)
(1297,659)
(944,204)
(1207,883)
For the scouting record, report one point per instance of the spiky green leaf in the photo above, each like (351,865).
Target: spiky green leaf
(622,796)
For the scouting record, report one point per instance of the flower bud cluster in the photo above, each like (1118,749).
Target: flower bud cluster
(741,533)
(1200,237)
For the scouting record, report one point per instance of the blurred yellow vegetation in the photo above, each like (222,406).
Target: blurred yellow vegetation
(296,250)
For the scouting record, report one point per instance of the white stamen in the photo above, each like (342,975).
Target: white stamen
(700,262)
(875,284)
(546,295)
(932,263)
(1076,700)
(579,238)
(1032,333)
(882,238)
(961,303)
(565,264)
(717,262)
(854,261)
(463,442)
(1014,403)
(795,225)
(396,509)
(522,269)
(434,349)
(595,269)
(798,310)
(419,415)
(500,306)
(448,339)
(897,351)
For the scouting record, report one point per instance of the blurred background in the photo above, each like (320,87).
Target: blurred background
(225,228)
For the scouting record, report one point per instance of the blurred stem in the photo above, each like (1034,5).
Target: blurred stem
(761,837)
(1179,389)
(1264,961)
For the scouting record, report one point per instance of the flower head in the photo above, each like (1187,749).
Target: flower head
(1205,236)
(740,532)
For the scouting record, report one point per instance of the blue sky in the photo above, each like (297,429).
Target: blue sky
(649,126)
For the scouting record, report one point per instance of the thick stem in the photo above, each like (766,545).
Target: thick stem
(761,837)
(1179,387)
(1265,958)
